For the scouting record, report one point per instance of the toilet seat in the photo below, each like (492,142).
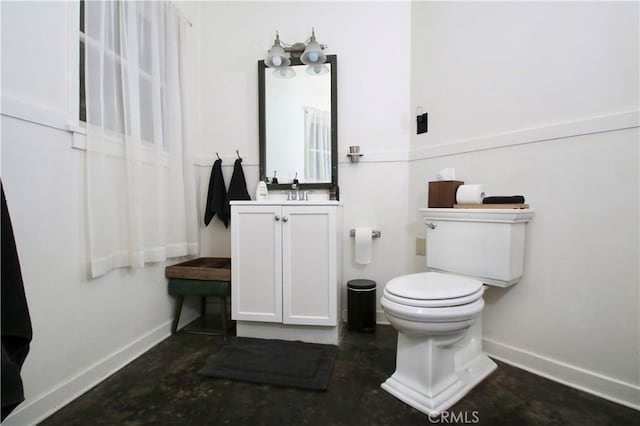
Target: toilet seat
(433,290)
(437,314)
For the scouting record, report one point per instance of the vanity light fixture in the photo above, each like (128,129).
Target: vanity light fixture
(313,53)
(277,57)
(310,53)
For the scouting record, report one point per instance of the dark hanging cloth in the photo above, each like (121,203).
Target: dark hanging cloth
(513,199)
(237,187)
(216,196)
(16,323)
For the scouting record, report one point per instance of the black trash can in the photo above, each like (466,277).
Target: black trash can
(361,305)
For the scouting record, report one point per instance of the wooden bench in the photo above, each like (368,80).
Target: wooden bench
(204,277)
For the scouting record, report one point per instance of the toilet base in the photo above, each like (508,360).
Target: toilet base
(467,376)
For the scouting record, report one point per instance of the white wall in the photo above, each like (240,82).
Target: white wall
(83,330)
(474,62)
(532,98)
(372,110)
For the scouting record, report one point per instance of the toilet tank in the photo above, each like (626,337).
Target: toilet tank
(486,244)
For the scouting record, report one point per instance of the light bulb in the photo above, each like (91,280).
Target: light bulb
(277,61)
(313,56)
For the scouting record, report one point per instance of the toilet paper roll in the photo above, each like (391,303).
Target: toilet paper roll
(363,245)
(470,194)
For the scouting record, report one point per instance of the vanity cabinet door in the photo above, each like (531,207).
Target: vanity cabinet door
(256,263)
(309,265)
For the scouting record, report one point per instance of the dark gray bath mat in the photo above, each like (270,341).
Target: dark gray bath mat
(274,362)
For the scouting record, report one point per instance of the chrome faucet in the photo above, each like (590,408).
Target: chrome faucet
(293,196)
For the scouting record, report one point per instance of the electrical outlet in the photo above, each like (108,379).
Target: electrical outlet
(420,247)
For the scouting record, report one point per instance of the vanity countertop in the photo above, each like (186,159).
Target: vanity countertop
(287,203)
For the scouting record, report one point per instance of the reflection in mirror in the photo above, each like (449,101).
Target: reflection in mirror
(298,113)
(297,124)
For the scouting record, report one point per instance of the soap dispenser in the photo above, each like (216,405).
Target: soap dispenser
(261,191)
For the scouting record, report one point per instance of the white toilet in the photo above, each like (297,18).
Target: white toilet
(438,313)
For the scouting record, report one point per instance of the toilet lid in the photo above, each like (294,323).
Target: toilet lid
(432,286)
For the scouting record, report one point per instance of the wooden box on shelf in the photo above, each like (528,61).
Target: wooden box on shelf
(443,193)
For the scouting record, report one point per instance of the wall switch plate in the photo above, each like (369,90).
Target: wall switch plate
(421,247)
(422,123)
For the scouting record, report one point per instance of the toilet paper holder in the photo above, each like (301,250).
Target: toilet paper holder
(374,233)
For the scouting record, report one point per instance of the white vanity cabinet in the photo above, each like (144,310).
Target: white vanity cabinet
(284,266)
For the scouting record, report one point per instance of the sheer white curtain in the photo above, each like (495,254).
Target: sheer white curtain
(140,178)
(317,140)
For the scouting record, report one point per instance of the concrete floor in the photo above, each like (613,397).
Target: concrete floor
(162,387)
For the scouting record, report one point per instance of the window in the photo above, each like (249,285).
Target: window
(149,68)
(140,196)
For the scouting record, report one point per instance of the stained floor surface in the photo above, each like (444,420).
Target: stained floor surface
(162,387)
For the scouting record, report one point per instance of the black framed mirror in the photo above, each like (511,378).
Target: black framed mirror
(298,124)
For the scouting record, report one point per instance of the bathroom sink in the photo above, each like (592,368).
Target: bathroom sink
(282,196)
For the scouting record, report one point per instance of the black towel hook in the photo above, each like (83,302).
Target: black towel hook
(238,153)
(218,156)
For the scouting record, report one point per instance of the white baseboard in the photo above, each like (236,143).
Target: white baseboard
(620,392)
(381,318)
(33,411)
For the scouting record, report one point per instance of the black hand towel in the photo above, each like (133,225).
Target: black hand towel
(16,322)
(216,196)
(237,187)
(514,199)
